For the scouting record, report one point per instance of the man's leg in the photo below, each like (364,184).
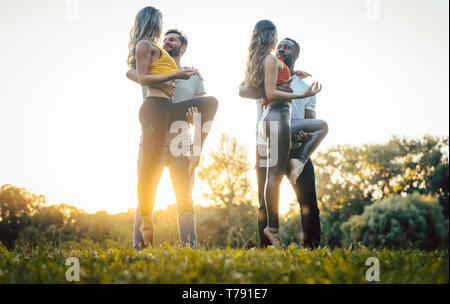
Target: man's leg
(183,184)
(305,189)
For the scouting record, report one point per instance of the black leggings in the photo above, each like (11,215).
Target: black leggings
(277,129)
(305,190)
(318,128)
(156,115)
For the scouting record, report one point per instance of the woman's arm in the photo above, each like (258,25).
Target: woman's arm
(144,54)
(270,84)
(258,93)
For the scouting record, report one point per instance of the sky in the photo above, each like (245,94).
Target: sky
(69,124)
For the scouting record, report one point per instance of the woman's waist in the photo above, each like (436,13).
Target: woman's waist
(155,92)
(282,105)
(277,107)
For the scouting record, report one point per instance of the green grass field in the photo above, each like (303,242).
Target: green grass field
(166,264)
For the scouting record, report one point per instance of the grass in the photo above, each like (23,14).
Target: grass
(168,264)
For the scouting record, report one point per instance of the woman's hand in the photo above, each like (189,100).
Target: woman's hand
(313,89)
(184,74)
(196,72)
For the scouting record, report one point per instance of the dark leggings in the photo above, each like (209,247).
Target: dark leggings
(305,190)
(156,115)
(277,129)
(318,128)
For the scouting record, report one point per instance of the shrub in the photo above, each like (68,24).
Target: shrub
(399,222)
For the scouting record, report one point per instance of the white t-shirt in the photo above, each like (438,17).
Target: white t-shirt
(298,106)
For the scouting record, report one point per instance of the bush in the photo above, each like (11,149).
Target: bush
(399,222)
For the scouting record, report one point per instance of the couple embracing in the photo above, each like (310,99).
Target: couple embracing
(173,98)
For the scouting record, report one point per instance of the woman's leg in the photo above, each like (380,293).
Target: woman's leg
(262,212)
(319,129)
(207,107)
(278,137)
(153,116)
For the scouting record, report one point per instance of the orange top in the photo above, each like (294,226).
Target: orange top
(165,65)
(283,76)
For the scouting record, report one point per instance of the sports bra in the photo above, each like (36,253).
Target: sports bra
(165,65)
(283,76)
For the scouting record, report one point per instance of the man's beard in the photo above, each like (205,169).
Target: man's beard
(174,52)
(287,60)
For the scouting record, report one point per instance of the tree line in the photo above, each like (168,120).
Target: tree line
(393,194)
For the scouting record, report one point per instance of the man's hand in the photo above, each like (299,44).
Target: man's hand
(167,87)
(193,160)
(302,74)
(301,136)
(190,114)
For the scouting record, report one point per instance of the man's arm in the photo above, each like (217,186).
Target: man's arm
(199,88)
(310,108)
(252,93)
(310,114)
(132,75)
(167,87)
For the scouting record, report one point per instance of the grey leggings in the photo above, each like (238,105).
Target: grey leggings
(277,129)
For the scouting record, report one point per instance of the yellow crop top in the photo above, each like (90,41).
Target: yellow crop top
(165,65)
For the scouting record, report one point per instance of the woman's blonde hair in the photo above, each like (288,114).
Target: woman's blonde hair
(263,40)
(147,25)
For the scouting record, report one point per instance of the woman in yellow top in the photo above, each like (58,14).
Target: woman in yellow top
(157,70)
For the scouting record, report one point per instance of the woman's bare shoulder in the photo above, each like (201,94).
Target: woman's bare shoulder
(145,45)
(270,59)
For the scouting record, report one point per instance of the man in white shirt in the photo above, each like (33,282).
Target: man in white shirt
(180,169)
(305,187)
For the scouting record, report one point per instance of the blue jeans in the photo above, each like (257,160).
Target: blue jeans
(183,184)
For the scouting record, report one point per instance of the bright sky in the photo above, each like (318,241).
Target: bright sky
(69,124)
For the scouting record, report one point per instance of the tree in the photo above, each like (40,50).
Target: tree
(399,222)
(227,173)
(353,177)
(229,185)
(16,207)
